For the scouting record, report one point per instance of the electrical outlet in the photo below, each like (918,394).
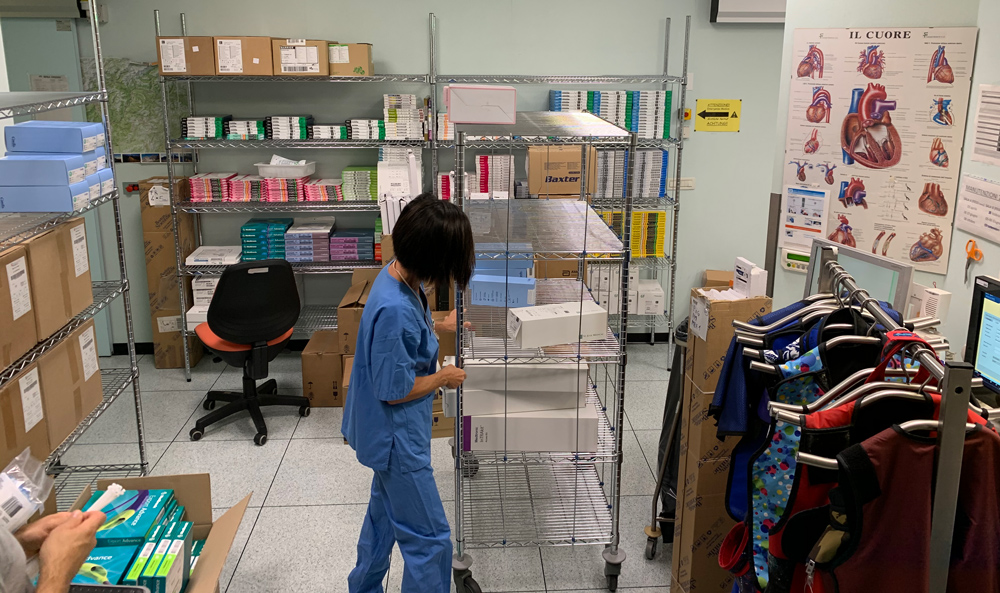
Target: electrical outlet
(687,183)
(685,132)
(690,81)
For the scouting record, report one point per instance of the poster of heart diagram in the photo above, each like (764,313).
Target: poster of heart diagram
(876,121)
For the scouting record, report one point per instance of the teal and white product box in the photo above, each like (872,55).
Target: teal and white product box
(145,553)
(175,567)
(169,511)
(500,291)
(106,566)
(54,136)
(45,198)
(199,545)
(177,514)
(131,517)
(107,180)
(42,169)
(148,577)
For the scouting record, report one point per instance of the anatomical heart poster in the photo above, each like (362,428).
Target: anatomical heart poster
(876,118)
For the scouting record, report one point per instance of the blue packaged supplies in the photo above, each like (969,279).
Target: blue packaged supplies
(42,169)
(96,160)
(107,177)
(54,136)
(500,291)
(45,198)
(94,181)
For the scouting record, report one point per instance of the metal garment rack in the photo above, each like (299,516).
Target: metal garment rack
(18,228)
(955,383)
(517,498)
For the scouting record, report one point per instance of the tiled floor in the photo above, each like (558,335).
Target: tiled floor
(310,493)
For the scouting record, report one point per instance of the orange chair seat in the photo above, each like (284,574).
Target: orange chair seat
(214,342)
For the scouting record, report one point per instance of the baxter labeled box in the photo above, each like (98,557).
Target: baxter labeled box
(54,136)
(551,430)
(560,323)
(502,291)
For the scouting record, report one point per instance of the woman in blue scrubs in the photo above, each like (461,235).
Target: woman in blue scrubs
(387,417)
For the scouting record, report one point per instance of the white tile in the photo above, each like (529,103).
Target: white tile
(322,423)
(117,361)
(280,420)
(203,376)
(237,467)
(510,569)
(644,403)
(649,443)
(164,414)
(443,462)
(239,542)
(112,454)
(320,472)
(637,479)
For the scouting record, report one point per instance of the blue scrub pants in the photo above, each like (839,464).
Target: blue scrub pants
(405,507)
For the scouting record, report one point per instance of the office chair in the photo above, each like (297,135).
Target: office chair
(250,320)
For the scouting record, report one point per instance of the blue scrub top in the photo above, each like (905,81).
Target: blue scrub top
(396,344)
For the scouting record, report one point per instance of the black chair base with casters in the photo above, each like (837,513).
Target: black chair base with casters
(250,321)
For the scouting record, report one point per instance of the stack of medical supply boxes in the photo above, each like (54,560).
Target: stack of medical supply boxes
(53,166)
(264,238)
(324,190)
(360,183)
(404,120)
(505,275)
(644,112)
(352,245)
(495,175)
(211,187)
(309,241)
(645,297)
(208,127)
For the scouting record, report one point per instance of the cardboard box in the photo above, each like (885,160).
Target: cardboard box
(558,170)
(481,104)
(349,314)
(185,56)
(154,205)
(59,276)
(194,491)
(300,57)
(560,323)
(388,250)
(717,278)
(346,374)
(442,427)
(168,350)
(17,316)
(196,315)
(322,370)
(71,382)
(350,59)
(22,415)
(243,56)
(563,268)
(551,430)
(161,270)
(446,339)
(712,330)
(702,442)
(647,299)
(702,532)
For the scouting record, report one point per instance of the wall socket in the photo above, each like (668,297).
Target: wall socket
(687,183)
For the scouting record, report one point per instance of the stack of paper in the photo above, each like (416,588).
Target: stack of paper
(445,129)
(360,183)
(245,188)
(288,127)
(264,238)
(309,241)
(366,129)
(404,120)
(245,129)
(496,174)
(214,255)
(210,187)
(611,168)
(324,190)
(649,173)
(352,245)
(204,127)
(279,189)
(328,132)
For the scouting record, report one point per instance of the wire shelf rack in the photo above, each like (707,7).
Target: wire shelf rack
(556,79)
(637,321)
(331,267)
(19,227)
(70,481)
(526,504)
(105,291)
(487,340)
(114,382)
(638,203)
(548,229)
(312,207)
(279,144)
(13,104)
(651,262)
(505,142)
(314,318)
(377,78)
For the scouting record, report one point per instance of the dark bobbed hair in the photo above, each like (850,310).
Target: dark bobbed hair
(433,240)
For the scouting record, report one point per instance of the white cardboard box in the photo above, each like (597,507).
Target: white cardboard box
(195,315)
(207,255)
(565,377)
(481,104)
(479,402)
(560,323)
(553,430)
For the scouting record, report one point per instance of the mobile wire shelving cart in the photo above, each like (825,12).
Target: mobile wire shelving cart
(507,496)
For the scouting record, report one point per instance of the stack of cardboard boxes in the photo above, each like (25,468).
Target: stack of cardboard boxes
(161,270)
(702,519)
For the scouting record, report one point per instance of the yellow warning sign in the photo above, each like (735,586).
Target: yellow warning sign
(717,115)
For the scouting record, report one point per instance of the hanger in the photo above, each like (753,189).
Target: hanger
(764,329)
(831,343)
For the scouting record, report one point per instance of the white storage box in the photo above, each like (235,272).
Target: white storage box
(478,402)
(195,315)
(286,171)
(203,289)
(208,255)
(649,299)
(560,323)
(564,377)
(481,104)
(571,430)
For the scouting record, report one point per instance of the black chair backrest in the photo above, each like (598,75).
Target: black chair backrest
(254,301)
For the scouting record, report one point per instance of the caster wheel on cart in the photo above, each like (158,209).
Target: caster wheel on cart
(304,411)
(612,582)
(260,439)
(471,586)
(209,404)
(196,434)
(651,545)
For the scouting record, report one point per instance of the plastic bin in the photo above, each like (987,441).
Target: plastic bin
(286,171)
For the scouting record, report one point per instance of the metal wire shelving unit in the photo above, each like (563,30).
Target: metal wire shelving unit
(16,228)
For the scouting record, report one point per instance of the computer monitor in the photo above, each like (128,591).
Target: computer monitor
(885,279)
(982,347)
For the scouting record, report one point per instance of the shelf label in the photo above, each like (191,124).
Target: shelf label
(81,260)
(339,54)
(20,293)
(31,399)
(230,56)
(718,115)
(88,351)
(168,325)
(172,55)
(159,196)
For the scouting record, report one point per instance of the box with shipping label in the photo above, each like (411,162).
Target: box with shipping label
(350,59)
(300,57)
(168,347)
(45,198)
(567,430)
(17,317)
(322,370)
(154,204)
(106,565)
(144,554)
(59,276)
(712,330)
(243,56)
(23,417)
(558,170)
(175,568)
(71,382)
(130,517)
(186,56)
(43,169)
(349,315)
(501,291)
(481,104)
(559,323)
(161,269)
(40,135)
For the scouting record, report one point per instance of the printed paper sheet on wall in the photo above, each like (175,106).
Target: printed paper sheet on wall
(876,117)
